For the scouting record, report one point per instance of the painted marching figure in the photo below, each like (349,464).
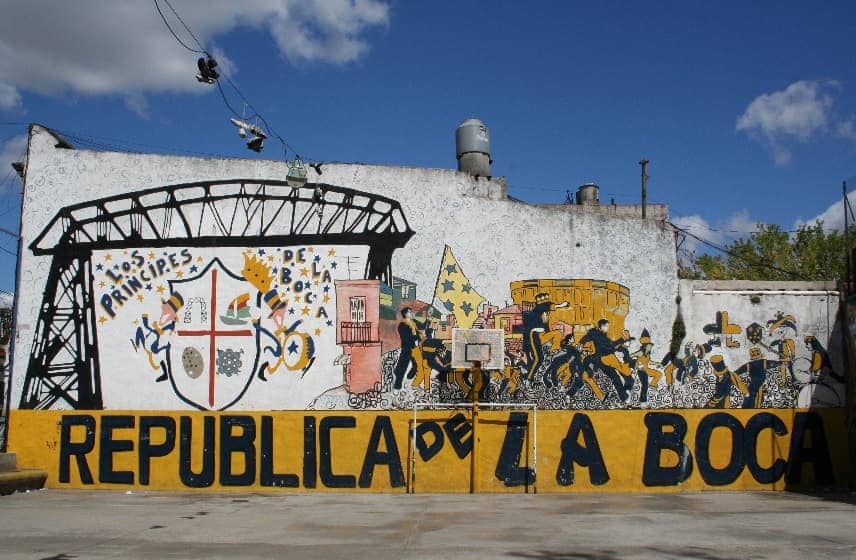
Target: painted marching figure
(537,334)
(571,367)
(434,356)
(149,335)
(641,360)
(725,379)
(784,346)
(411,354)
(602,356)
(756,369)
(821,365)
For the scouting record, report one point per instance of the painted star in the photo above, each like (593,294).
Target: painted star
(135,322)
(466,288)
(161,289)
(330,323)
(326,289)
(99,266)
(449,306)
(102,319)
(149,287)
(448,286)
(292,348)
(333,264)
(291,311)
(152,255)
(317,258)
(331,252)
(306,309)
(199,258)
(467,308)
(312,249)
(140,297)
(326,298)
(193,269)
(317,332)
(108,257)
(115,267)
(261,252)
(451,269)
(102,284)
(125,252)
(179,274)
(304,271)
(270,258)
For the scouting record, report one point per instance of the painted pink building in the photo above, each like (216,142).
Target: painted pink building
(357,332)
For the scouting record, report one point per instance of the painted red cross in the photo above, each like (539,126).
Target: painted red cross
(212,335)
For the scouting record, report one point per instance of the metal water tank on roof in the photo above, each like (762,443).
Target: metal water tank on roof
(472,147)
(588,194)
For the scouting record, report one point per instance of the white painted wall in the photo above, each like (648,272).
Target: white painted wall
(496,241)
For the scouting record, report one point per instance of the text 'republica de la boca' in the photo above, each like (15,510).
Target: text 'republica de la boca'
(372,450)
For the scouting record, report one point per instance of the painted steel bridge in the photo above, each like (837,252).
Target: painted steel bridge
(64,364)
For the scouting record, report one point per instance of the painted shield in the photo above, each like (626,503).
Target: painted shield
(214,350)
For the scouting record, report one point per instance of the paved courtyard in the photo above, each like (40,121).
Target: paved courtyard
(63,525)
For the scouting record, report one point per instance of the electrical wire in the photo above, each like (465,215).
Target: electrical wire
(116,145)
(729,252)
(270,130)
(177,38)
(198,44)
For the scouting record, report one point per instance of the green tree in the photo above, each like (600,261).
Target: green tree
(769,253)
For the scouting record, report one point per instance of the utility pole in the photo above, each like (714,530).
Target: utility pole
(846,232)
(644,164)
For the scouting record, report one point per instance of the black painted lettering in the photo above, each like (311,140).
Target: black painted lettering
(428,450)
(809,424)
(109,446)
(382,428)
(587,454)
(147,450)
(205,477)
(267,477)
(753,429)
(135,283)
(79,450)
(658,440)
(242,444)
(457,428)
(325,468)
(730,472)
(310,454)
(107,305)
(508,468)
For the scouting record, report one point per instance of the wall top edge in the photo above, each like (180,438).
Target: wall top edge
(760,285)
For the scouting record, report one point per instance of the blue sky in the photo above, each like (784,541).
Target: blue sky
(746,110)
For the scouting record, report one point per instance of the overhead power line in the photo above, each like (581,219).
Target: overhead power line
(172,31)
(751,262)
(256,115)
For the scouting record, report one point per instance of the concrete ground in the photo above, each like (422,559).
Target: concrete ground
(64,525)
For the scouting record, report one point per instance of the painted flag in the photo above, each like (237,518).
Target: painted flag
(455,293)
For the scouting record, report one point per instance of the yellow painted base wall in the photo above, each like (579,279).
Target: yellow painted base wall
(614,451)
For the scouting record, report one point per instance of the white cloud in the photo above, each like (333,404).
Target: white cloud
(832,217)
(800,112)
(123,48)
(9,97)
(14,149)
(738,225)
(847,129)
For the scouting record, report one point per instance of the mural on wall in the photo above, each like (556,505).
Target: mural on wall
(246,296)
